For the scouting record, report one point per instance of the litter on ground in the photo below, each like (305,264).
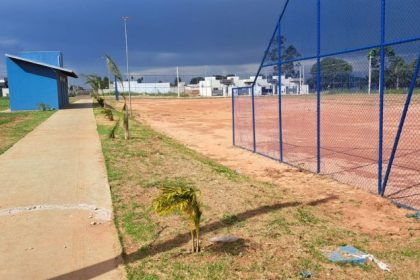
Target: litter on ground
(349,254)
(415,215)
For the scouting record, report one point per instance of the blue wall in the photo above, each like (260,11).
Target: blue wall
(53,58)
(30,85)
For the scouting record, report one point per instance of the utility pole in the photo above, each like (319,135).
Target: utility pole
(177,80)
(125,18)
(370,73)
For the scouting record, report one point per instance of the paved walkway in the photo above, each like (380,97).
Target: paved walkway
(55,203)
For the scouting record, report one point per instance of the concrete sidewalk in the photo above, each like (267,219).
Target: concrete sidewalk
(55,203)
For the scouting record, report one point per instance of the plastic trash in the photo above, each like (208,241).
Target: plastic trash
(349,254)
(305,274)
(224,239)
(414,215)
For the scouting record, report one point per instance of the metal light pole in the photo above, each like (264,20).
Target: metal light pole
(125,18)
(370,74)
(177,80)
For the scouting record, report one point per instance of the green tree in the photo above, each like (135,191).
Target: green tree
(94,82)
(398,74)
(176,81)
(411,69)
(196,80)
(335,73)
(288,52)
(375,55)
(104,82)
(180,197)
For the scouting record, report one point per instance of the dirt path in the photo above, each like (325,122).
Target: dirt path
(55,203)
(205,125)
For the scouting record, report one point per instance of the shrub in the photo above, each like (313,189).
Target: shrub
(108,113)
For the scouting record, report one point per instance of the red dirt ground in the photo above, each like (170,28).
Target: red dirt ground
(205,125)
(349,138)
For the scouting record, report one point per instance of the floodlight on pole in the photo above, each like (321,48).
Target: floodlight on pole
(125,18)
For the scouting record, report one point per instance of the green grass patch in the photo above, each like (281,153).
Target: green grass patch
(304,216)
(4,103)
(14,126)
(139,224)
(230,219)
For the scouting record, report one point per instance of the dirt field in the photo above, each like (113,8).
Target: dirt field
(279,240)
(349,138)
(205,125)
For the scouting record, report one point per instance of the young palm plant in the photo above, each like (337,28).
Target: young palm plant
(126,125)
(113,68)
(180,198)
(95,83)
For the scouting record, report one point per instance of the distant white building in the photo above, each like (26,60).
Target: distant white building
(4,91)
(150,88)
(263,86)
(212,87)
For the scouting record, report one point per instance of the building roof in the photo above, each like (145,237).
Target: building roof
(66,71)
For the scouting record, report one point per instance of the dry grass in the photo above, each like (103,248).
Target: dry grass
(281,234)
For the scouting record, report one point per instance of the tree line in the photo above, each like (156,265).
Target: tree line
(338,73)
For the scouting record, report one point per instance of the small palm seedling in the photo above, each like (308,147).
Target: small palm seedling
(108,113)
(179,197)
(113,68)
(126,128)
(114,129)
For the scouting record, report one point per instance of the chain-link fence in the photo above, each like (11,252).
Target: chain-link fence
(337,93)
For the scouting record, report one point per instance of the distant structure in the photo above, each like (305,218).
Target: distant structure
(4,88)
(36,78)
(150,88)
(211,86)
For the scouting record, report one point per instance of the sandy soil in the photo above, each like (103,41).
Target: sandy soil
(205,125)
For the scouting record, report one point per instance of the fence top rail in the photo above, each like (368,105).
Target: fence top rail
(342,52)
(242,87)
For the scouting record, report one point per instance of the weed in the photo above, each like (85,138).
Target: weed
(305,217)
(230,219)
(138,223)
(44,107)
(114,129)
(108,113)
(278,222)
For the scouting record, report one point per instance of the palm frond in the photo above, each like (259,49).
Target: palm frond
(113,68)
(93,81)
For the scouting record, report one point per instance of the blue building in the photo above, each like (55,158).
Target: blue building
(37,78)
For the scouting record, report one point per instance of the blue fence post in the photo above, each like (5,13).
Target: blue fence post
(401,125)
(381,98)
(233,118)
(254,148)
(279,89)
(117,94)
(318,90)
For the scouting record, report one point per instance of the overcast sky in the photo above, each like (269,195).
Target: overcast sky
(162,33)
(223,35)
